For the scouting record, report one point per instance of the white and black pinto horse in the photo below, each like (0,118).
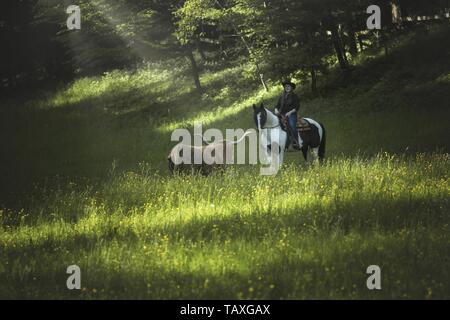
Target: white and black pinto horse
(270,126)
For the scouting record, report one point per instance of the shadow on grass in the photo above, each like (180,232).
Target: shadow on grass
(412,267)
(380,213)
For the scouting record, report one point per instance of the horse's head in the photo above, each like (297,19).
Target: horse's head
(260,116)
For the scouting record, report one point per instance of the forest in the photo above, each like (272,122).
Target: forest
(280,38)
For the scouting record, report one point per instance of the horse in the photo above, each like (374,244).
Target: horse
(312,136)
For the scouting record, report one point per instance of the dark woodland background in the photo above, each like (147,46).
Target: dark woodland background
(283,36)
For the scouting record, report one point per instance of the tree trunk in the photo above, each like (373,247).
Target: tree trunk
(195,70)
(396,12)
(343,63)
(313,80)
(352,40)
(384,41)
(200,50)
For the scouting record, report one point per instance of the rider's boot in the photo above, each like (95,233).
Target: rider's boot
(296,144)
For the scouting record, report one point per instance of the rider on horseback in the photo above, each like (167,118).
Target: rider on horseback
(287,107)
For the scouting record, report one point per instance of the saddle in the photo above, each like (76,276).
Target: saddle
(303,125)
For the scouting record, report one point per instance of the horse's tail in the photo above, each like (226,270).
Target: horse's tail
(323,143)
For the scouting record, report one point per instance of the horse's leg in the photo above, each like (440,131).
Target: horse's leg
(305,152)
(264,149)
(268,154)
(281,155)
(314,154)
(283,142)
(309,157)
(300,141)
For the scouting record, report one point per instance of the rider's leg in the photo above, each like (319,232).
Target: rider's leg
(293,126)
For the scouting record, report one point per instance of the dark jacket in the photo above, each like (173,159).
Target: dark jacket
(287,102)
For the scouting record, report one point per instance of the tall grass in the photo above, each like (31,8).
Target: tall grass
(306,233)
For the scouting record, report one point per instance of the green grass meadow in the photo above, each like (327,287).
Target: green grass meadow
(84,181)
